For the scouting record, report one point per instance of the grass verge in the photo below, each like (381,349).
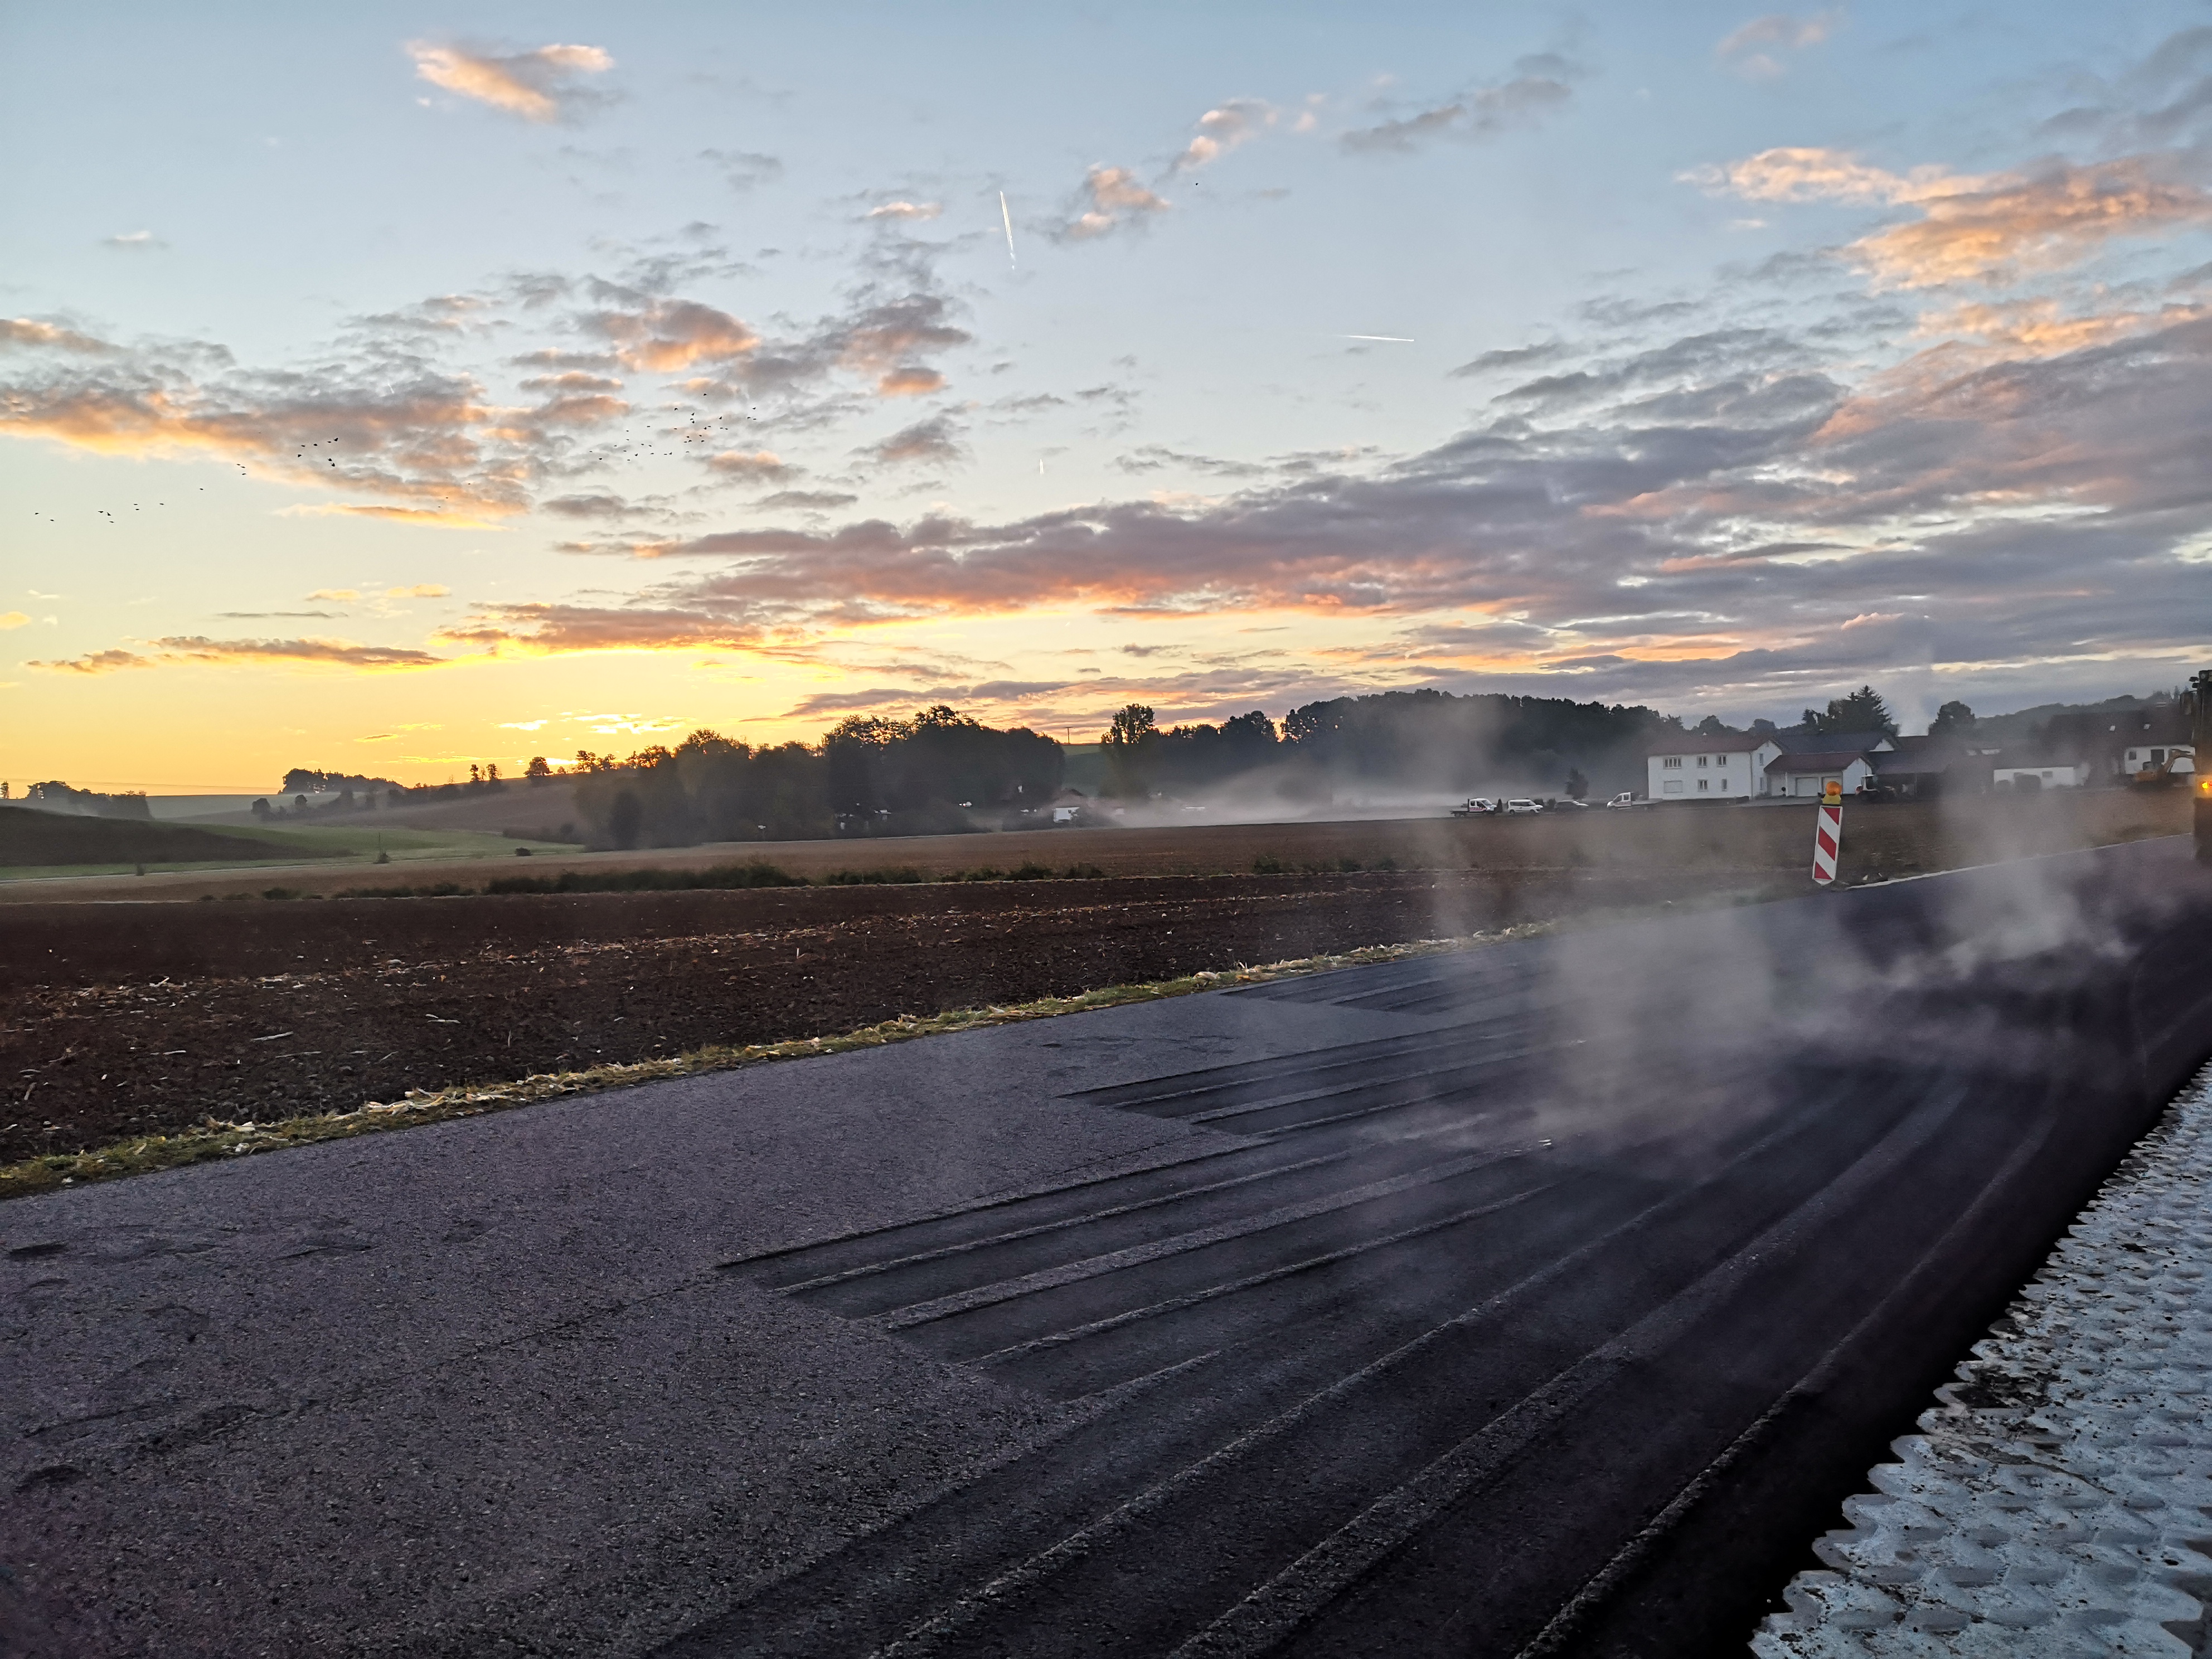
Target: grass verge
(215,1140)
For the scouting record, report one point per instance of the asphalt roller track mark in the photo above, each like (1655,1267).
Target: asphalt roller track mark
(1560,1325)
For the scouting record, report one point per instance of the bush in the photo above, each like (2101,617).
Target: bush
(902,877)
(1268,864)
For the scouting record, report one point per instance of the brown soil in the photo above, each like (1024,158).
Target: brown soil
(126,1020)
(1888,839)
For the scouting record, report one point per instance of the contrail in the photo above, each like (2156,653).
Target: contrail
(1394,339)
(1008,219)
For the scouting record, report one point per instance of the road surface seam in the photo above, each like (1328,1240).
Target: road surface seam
(984,1296)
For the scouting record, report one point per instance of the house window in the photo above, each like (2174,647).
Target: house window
(1702,760)
(1703,786)
(1674,785)
(1672,761)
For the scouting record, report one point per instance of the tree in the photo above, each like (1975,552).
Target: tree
(537,771)
(1953,720)
(261,808)
(475,773)
(492,772)
(1132,726)
(1863,711)
(1133,731)
(1577,784)
(1714,726)
(624,819)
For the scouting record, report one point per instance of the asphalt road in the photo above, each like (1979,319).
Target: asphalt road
(1546,1298)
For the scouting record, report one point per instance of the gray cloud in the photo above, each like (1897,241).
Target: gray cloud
(935,441)
(1715,518)
(743,170)
(1538,88)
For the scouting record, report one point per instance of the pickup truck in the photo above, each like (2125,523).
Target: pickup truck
(1625,799)
(1475,806)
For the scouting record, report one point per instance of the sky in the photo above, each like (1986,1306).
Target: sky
(384,390)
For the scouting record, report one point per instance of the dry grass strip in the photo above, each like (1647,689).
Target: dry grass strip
(215,1140)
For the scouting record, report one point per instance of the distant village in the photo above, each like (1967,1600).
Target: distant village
(1855,746)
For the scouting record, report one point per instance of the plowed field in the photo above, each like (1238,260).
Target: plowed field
(128,1019)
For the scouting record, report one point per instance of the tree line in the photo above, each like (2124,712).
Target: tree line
(942,770)
(939,771)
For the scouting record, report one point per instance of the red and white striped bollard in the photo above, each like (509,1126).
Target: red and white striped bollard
(1828,835)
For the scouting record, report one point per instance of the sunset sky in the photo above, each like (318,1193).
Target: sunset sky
(385,389)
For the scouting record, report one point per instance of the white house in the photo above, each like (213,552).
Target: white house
(1810,774)
(1694,766)
(2057,775)
(2175,759)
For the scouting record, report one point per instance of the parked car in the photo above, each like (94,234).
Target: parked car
(1518,806)
(1475,806)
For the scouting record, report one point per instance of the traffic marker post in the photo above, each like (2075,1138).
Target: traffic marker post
(1828,835)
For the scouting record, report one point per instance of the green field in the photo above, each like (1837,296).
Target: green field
(325,847)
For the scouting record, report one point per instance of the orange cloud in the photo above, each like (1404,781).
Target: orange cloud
(426,518)
(1991,229)
(196,648)
(420,591)
(536,85)
(23,332)
(1821,175)
(1751,50)
(13,619)
(1220,131)
(2013,226)
(1115,197)
(421,442)
(909,382)
(763,463)
(665,334)
(2038,327)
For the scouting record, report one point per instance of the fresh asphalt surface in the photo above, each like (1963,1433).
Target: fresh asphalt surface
(1544,1298)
